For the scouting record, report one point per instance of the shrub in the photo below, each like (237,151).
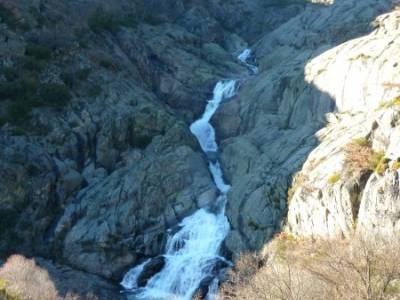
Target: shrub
(388,104)
(363,142)
(7,90)
(22,278)
(38,51)
(94,90)
(357,156)
(153,19)
(20,90)
(360,156)
(83,74)
(10,73)
(130,20)
(54,95)
(73,78)
(29,83)
(81,35)
(101,20)
(334,178)
(68,79)
(396,165)
(108,64)
(377,162)
(8,17)
(19,113)
(355,269)
(32,64)
(141,141)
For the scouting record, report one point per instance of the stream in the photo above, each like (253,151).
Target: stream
(192,255)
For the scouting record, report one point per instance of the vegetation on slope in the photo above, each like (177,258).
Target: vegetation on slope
(291,269)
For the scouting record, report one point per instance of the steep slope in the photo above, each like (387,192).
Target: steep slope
(360,144)
(269,132)
(96,157)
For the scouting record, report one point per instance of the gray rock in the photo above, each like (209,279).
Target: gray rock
(271,128)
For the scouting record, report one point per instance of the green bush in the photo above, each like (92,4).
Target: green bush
(68,79)
(94,90)
(54,95)
(141,141)
(129,20)
(38,51)
(81,35)
(101,20)
(153,19)
(377,162)
(108,64)
(8,17)
(396,165)
(361,142)
(10,73)
(19,90)
(33,64)
(391,103)
(29,83)
(19,113)
(83,74)
(8,90)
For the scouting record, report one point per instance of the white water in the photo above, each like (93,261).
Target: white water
(130,279)
(244,57)
(193,252)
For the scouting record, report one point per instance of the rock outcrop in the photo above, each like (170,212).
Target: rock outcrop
(273,126)
(96,157)
(362,197)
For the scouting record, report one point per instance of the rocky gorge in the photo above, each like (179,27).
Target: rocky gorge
(95,183)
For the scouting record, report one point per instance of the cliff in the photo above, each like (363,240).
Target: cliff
(96,157)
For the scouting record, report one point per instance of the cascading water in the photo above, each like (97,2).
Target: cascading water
(192,254)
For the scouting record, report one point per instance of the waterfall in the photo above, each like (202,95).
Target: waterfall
(192,255)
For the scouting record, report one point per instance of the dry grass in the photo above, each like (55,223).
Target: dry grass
(334,178)
(396,165)
(23,279)
(361,157)
(305,269)
(357,156)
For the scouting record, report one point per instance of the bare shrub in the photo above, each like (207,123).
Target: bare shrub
(306,269)
(361,157)
(360,269)
(358,155)
(23,279)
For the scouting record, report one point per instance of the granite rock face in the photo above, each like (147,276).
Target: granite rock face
(96,182)
(274,126)
(367,113)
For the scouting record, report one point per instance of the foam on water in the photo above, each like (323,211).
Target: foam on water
(192,253)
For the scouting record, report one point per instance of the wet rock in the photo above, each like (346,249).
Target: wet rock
(154,266)
(204,285)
